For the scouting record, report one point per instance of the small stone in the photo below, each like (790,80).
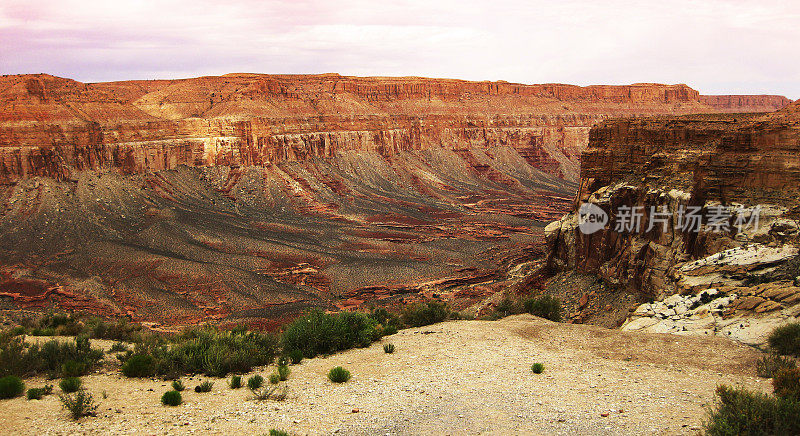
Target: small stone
(604,414)
(355,411)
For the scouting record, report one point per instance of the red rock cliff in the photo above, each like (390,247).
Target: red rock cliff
(52,126)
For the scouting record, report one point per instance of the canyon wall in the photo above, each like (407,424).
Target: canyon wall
(672,164)
(50,126)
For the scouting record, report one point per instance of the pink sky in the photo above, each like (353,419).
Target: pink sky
(717,47)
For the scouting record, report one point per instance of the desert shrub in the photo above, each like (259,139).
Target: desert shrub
(205,386)
(79,404)
(768,365)
(38,393)
(283,372)
(338,375)
(118,347)
(786,339)
(270,393)
(208,351)
(11,386)
(738,411)
(120,330)
(786,383)
(255,382)
(507,307)
(34,394)
(276,432)
(388,348)
(70,384)
(295,356)
(71,368)
(236,382)
(18,330)
(22,359)
(425,314)
(322,333)
(177,385)
(537,368)
(274,378)
(139,365)
(171,398)
(389,330)
(544,306)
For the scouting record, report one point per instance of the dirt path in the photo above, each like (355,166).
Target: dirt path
(461,377)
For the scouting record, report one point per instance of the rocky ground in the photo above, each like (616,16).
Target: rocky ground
(459,377)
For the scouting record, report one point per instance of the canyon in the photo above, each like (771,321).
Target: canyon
(253,197)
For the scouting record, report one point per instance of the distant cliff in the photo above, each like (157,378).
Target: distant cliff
(52,126)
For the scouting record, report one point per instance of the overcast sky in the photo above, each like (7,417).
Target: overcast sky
(717,47)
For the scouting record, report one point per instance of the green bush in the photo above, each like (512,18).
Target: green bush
(275,432)
(208,351)
(71,368)
(338,375)
(426,314)
(786,339)
(389,330)
(738,411)
(544,306)
(139,365)
(786,383)
(177,385)
(537,368)
(274,378)
(255,382)
(22,359)
(171,398)
(118,347)
(205,386)
(38,393)
(296,356)
(11,386)
(70,384)
(388,348)
(322,333)
(283,372)
(236,382)
(79,404)
(768,365)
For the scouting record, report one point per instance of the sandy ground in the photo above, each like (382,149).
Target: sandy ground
(460,377)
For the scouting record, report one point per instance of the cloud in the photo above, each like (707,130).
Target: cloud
(715,46)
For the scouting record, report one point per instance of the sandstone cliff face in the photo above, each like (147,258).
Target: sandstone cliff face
(51,126)
(745,103)
(676,163)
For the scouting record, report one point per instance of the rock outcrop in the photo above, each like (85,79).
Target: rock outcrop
(716,198)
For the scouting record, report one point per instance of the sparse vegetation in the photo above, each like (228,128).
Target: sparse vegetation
(275,432)
(118,347)
(79,404)
(283,372)
(71,368)
(786,383)
(738,411)
(768,365)
(537,368)
(388,348)
(177,385)
(70,384)
(205,386)
(274,378)
(236,382)
(270,393)
(544,306)
(338,375)
(322,333)
(785,339)
(255,382)
(11,386)
(171,398)
(426,314)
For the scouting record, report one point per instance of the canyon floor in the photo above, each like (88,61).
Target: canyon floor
(458,377)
